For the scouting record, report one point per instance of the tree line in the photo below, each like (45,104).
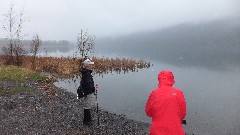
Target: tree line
(46,46)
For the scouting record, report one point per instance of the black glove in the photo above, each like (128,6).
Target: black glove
(184,122)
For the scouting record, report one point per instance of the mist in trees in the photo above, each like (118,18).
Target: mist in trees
(14,45)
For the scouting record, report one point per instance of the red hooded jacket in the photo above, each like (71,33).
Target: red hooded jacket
(166,106)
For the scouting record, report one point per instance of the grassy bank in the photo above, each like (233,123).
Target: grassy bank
(17,76)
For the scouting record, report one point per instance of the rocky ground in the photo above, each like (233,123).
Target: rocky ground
(47,110)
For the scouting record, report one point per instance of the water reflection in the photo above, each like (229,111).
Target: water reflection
(118,65)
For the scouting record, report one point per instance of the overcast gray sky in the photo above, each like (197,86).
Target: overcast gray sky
(63,19)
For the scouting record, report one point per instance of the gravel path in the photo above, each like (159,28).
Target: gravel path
(48,110)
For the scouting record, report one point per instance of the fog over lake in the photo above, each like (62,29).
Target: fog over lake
(205,61)
(213,45)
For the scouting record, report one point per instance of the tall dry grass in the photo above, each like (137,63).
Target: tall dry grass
(72,66)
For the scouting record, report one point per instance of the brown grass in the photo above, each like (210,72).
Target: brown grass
(72,66)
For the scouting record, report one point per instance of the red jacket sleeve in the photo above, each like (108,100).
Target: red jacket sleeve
(149,104)
(182,104)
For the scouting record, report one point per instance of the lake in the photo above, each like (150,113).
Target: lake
(212,96)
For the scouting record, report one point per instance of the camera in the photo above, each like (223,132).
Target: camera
(184,122)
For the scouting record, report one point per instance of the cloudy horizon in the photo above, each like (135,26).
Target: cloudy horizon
(63,20)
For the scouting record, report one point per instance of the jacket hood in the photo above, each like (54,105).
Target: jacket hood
(166,78)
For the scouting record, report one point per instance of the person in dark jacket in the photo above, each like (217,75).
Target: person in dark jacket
(89,90)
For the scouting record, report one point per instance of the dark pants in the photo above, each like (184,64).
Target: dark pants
(87,119)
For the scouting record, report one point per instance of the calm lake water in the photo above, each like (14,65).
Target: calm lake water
(213,97)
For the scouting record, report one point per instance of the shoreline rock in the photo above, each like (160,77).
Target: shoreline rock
(58,112)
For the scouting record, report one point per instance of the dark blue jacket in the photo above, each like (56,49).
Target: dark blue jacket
(87,81)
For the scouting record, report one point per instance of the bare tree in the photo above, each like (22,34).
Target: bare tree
(10,18)
(35,44)
(13,26)
(18,48)
(85,43)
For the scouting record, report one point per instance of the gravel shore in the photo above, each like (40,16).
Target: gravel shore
(47,110)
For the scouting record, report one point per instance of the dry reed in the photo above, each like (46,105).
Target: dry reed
(66,66)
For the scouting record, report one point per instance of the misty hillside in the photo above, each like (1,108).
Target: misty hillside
(212,45)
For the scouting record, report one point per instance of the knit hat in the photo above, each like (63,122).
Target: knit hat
(87,62)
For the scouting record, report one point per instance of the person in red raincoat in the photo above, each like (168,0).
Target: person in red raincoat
(166,106)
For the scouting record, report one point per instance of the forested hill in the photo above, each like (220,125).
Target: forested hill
(212,45)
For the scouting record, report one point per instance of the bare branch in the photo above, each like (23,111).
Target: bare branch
(85,43)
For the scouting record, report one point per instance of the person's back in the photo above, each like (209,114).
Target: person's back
(167,107)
